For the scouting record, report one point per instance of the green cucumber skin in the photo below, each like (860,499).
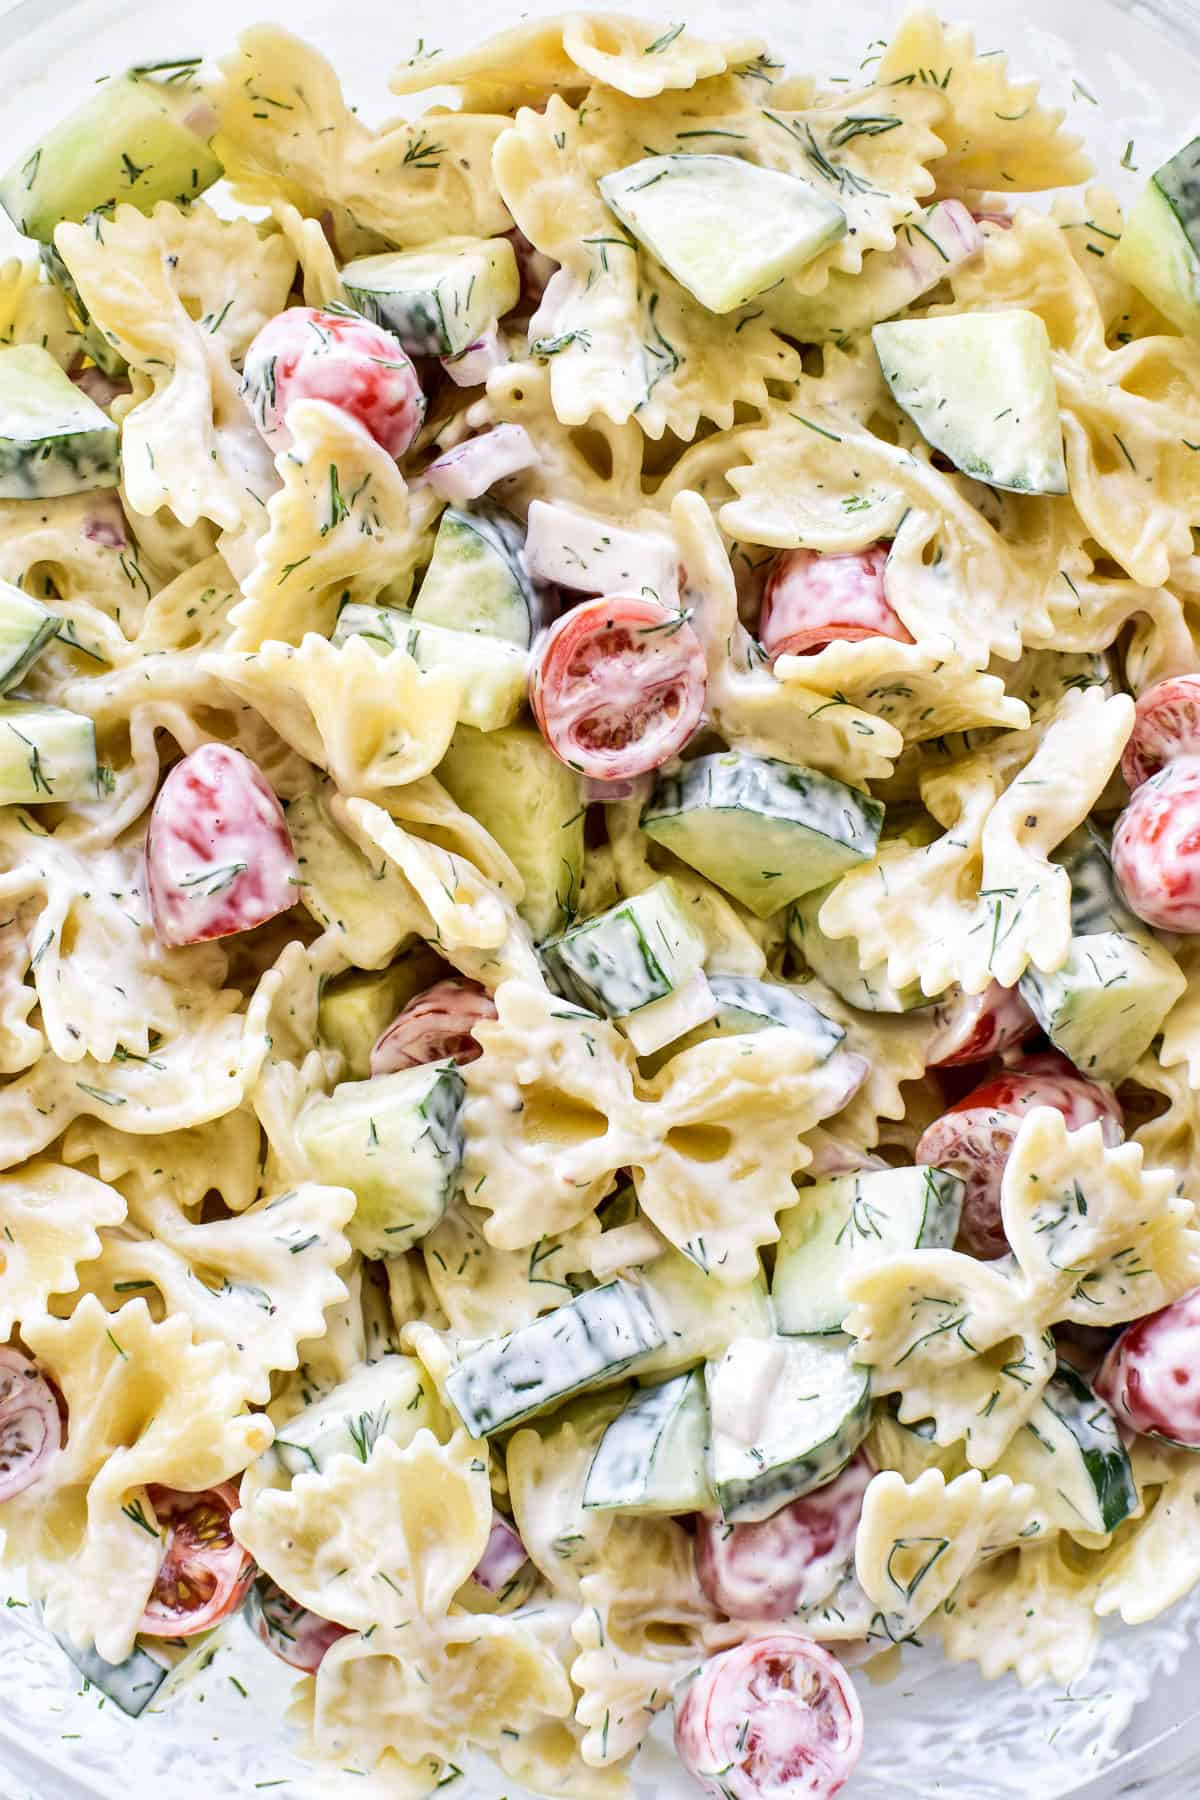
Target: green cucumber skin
(47,754)
(756,1497)
(592,1339)
(26,627)
(471,546)
(624,1473)
(1094,1429)
(1178,181)
(150,1667)
(103,354)
(621,960)
(766,1004)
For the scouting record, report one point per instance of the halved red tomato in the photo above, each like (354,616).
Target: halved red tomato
(204,1574)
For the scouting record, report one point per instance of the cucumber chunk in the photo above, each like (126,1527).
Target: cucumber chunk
(593,1339)
(725,229)
(787,1414)
(841,1226)
(155,1669)
(699,1314)
(26,627)
(438,300)
(591,555)
(628,958)
(46,754)
(476,580)
(927,250)
(1159,251)
(744,1004)
(654,1456)
(397,1142)
(392,1398)
(496,674)
(532,804)
(355,1007)
(980,388)
(765,831)
(1106,1004)
(54,440)
(130,142)
(91,339)
(836,961)
(1071,1453)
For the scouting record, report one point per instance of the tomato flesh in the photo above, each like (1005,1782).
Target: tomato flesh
(1151,1376)
(1156,848)
(204,1574)
(794,1558)
(288,1630)
(1166,725)
(435,1027)
(306,353)
(812,600)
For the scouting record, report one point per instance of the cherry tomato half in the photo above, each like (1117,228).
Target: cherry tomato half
(767,1569)
(1151,1376)
(30,1423)
(1166,724)
(1156,848)
(618,685)
(337,356)
(974,1138)
(292,1633)
(219,856)
(775,1718)
(812,600)
(434,1026)
(204,1574)
(972,1027)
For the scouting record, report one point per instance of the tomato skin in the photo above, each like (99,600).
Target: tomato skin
(813,599)
(306,353)
(775,1718)
(794,1558)
(31,1426)
(973,1027)
(204,1574)
(1166,725)
(433,1027)
(288,1630)
(219,856)
(618,686)
(1151,1375)
(974,1137)
(1156,848)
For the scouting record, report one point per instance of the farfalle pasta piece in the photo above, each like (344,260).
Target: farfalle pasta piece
(547,1468)
(181,294)
(637,57)
(1155,1559)
(389,1538)
(486,1291)
(639,1632)
(984,900)
(1126,413)
(1171,1138)
(188,1165)
(286,133)
(917,1539)
(342,527)
(996,133)
(50,1220)
(145,1405)
(1028,1613)
(34,311)
(922,692)
(1096,1239)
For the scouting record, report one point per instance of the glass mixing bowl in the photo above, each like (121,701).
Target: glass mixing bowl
(1125,70)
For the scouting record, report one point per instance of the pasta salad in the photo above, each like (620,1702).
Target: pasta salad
(600,848)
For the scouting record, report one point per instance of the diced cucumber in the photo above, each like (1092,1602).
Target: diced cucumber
(341,888)
(591,555)
(54,440)
(837,962)
(841,1226)
(654,1456)
(726,229)
(476,580)
(46,754)
(26,627)
(91,339)
(591,1340)
(155,1669)
(397,1142)
(927,250)
(130,142)
(1096,901)
(438,300)
(765,831)
(532,804)
(628,958)
(744,1004)
(392,1398)
(496,674)
(1159,251)
(699,1314)
(1107,1002)
(980,388)
(787,1414)
(355,1007)
(1069,1450)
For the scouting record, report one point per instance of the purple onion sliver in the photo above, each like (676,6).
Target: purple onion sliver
(504,1557)
(472,467)
(472,366)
